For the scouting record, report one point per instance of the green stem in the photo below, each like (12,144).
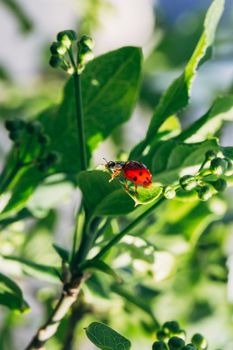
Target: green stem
(80,121)
(126,230)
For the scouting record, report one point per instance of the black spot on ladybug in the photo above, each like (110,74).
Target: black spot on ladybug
(135,178)
(147,178)
(140,173)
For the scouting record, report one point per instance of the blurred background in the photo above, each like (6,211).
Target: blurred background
(167,31)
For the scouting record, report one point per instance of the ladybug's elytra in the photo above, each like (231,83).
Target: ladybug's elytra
(131,170)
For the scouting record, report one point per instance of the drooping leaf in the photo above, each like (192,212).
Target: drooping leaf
(44,272)
(11,294)
(177,95)
(105,338)
(211,122)
(101,197)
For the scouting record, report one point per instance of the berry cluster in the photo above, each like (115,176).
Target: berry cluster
(62,52)
(30,144)
(171,337)
(210,179)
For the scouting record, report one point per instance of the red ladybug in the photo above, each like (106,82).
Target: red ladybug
(131,170)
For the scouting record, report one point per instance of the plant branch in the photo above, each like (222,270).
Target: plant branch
(128,228)
(68,297)
(80,121)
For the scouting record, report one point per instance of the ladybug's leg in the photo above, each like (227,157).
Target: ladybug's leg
(135,188)
(115,174)
(126,185)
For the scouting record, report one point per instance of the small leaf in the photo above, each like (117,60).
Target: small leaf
(44,272)
(103,267)
(101,197)
(11,295)
(105,338)
(146,195)
(62,252)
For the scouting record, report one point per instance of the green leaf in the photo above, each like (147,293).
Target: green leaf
(109,89)
(22,190)
(62,252)
(145,195)
(105,338)
(103,267)
(101,197)
(211,122)
(170,159)
(11,295)
(177,95)
(44,272)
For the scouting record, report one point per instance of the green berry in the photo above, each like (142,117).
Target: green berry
(87,41)
(204,192)
(58,48)
(52,158)
(220,185)
(162,336)
(67,37)
(159,345)
(43,166)
(199,341)
(188,182)
(169,192)
(15,124)
(56,61)
(189,347)
(176,343)
(43,139)
(171,327)
(34,127)
(218,166)
(229,170)
(210,155)
(14,135)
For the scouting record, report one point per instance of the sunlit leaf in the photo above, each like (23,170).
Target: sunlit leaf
(105,338)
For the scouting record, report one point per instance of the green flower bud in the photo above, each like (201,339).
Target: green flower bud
(34,127)
(14,135)
(199,341)
(52,158)
(162,336)
(220,185)
(58,48)
(43,166)
(180,334)
(229,170)
(188,182)
(204,192)
(189,347)
(218,166)
(15,124)
(85,54)
(56,61)
(210,155)
(159,345)
(67,37)
(87,41)
(171,327)
(176,343)
(43,139)
(169,192)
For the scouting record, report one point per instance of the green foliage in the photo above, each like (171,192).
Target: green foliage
(106,338)
(11,295)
